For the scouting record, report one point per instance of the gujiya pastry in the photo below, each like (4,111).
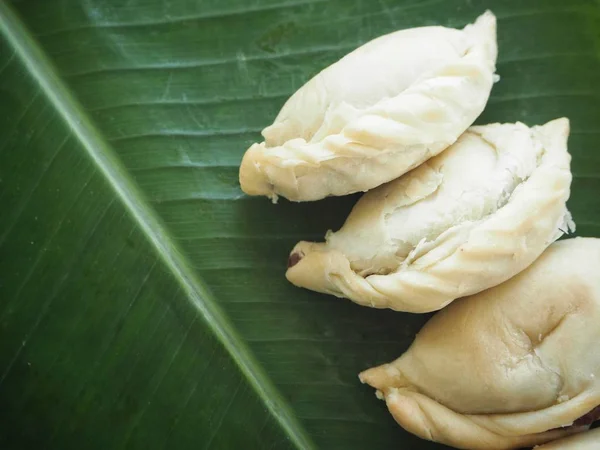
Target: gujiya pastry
(514,366)
(453,211)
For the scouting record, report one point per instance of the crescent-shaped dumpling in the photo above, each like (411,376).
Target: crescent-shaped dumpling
(589,440)
(464,221)
(514,366)
(375,114)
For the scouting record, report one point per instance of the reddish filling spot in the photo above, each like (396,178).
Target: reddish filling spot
(585,420)
(294,259)
(589,418)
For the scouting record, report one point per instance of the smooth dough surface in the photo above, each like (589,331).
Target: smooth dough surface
(464,221)
(375,114)
(589,440)
(514,366)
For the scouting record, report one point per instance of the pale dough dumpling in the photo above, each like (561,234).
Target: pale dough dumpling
(375,114)
(514,366)
(589,440)
(464,221)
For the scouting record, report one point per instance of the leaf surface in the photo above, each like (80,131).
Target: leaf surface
(142,296)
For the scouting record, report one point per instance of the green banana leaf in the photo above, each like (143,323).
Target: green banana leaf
(143,302)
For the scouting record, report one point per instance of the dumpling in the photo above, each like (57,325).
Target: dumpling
(375,114)
(589,440)
(514,366)
(464,221)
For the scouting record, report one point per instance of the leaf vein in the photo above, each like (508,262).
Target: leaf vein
(128,192)
(177,20)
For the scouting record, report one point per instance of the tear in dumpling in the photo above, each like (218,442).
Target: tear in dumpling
(375,114)
(462,222)
(514,366)
(589,440)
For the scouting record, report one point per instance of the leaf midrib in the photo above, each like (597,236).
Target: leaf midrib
(67,106)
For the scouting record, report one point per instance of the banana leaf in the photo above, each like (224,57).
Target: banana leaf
(142,297)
